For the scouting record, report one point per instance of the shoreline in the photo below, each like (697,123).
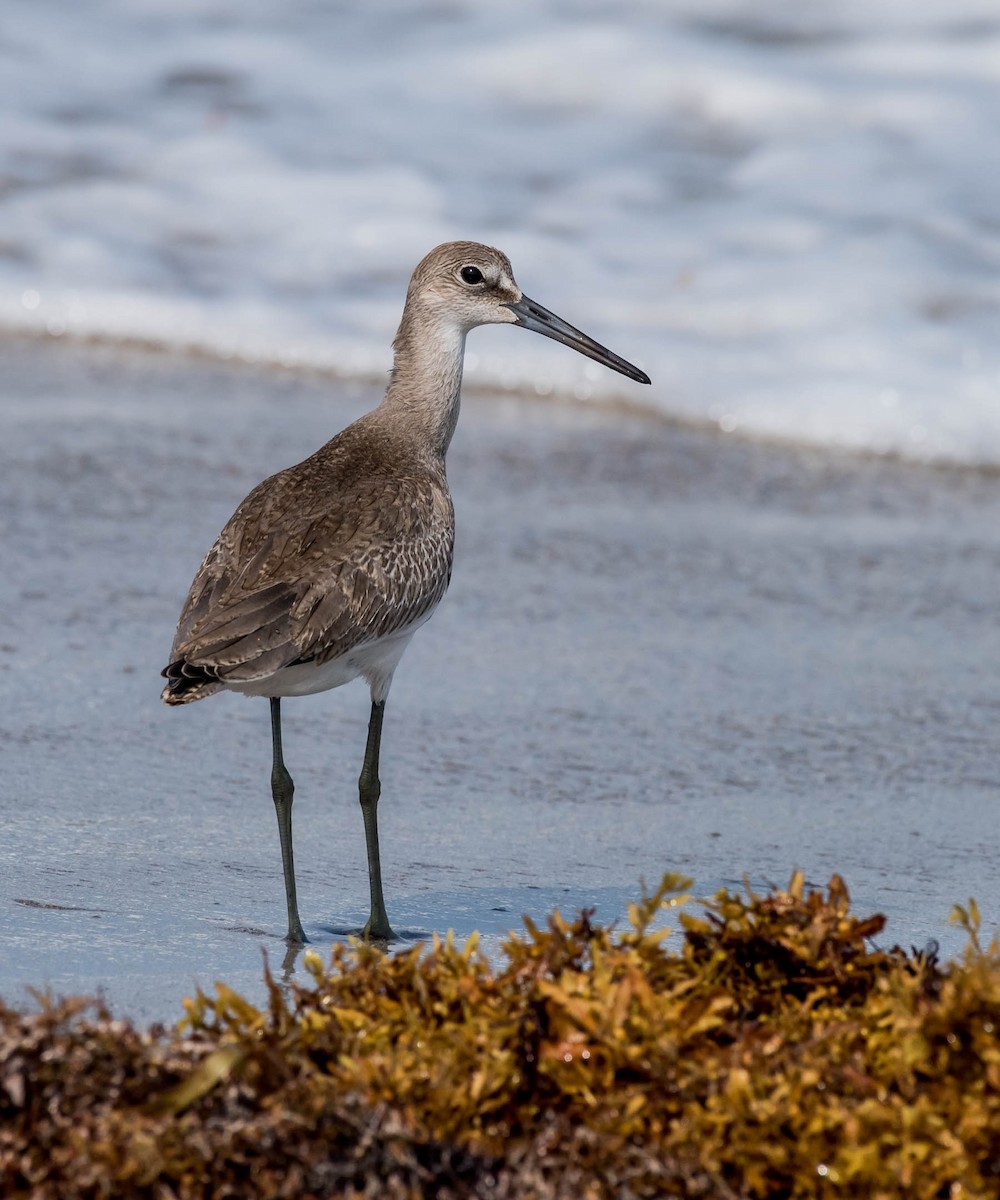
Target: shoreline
(196,355)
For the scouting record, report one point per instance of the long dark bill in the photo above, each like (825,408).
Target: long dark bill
(531,315)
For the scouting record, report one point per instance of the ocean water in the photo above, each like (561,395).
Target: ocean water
(786,212)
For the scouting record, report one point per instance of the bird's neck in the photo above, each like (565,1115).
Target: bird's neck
(426,380)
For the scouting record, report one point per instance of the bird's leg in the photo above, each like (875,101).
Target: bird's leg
(369,790)
(282,790)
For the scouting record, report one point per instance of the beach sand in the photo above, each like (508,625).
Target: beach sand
(662,649)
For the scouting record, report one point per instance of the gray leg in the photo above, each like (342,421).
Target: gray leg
(369,790)
(282,790)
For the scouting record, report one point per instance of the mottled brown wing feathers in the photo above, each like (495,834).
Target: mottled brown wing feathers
(286,583)
(374,597)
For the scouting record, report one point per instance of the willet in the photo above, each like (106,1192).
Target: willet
(327,569)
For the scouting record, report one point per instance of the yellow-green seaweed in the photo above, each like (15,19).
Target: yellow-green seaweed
(772,1052)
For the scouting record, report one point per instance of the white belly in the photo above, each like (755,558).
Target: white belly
(375,662)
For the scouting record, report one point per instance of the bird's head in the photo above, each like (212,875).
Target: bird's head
(466,284)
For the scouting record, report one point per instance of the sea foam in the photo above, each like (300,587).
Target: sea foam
(785,213)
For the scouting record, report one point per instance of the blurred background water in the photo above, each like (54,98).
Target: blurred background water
(785,211)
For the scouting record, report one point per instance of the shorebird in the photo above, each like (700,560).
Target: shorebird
(327,569)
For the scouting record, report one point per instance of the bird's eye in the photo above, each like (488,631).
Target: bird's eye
(471,275)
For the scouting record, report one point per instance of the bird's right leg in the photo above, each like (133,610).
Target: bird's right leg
(282,790)
(369,789)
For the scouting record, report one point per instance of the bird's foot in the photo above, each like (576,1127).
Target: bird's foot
(378,929)
(296,935)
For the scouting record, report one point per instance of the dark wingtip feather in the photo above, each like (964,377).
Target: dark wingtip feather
(187,682)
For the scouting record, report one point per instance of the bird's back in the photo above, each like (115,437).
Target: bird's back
(352,545)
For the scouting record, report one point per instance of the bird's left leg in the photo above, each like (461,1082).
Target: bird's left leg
(282,790)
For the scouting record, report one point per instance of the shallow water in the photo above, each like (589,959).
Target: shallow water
(661,650)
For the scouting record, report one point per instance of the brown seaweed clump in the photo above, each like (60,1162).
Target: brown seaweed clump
(775,1053)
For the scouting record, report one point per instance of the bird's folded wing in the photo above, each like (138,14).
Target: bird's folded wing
(382,591)
(241,623)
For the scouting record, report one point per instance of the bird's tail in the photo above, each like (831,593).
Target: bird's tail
(187,682)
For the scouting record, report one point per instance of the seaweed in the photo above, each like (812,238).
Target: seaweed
(777,1051)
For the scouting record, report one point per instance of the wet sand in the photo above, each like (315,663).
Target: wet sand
(662,650)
